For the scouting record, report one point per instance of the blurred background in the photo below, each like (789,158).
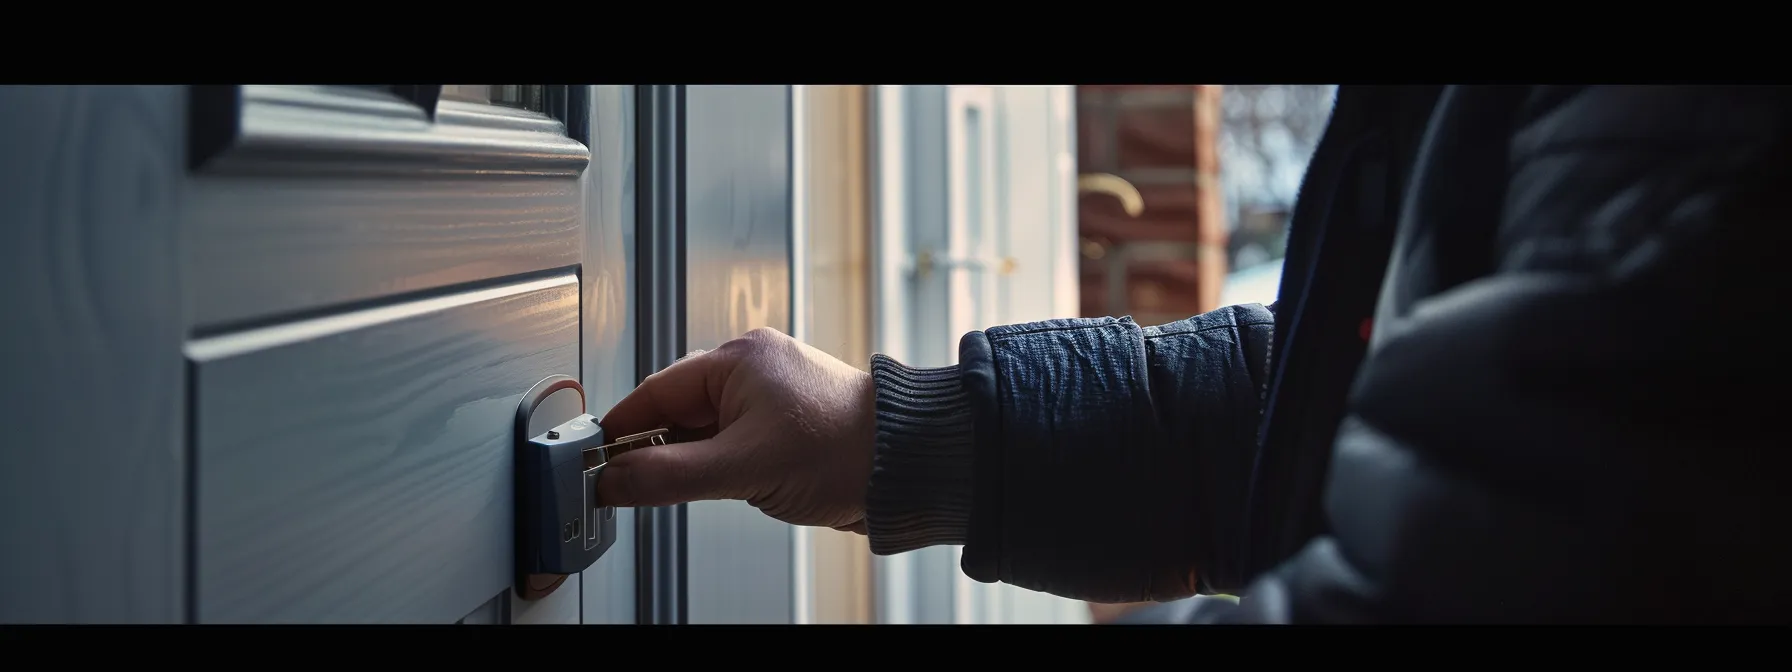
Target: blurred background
(929,211)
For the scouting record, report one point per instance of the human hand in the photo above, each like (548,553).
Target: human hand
(775,422)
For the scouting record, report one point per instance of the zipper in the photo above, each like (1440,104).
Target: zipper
(1291,462)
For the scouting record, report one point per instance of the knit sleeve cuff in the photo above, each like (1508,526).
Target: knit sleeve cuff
(921,479)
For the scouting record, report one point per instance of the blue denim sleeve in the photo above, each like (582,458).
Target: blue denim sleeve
(1090,458)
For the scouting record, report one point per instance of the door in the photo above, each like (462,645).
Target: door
(268,341)
(974,215)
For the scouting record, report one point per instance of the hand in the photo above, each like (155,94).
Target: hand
(779,424)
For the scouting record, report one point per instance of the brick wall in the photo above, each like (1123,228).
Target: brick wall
(1161,139)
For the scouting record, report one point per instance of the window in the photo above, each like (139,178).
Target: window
(521,96)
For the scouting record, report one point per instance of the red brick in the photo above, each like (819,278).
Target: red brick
(1094,139)
(1168,291)
(1149,293)
(1170,214)
(1164,290)
(1092,270)
(1167,271)
(1093,301)
(1160,137)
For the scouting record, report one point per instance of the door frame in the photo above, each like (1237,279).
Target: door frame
(660,565)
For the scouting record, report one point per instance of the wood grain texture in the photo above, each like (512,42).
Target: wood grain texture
(607,305)
(737,264)
(91,378)
(259,247)
(358,467)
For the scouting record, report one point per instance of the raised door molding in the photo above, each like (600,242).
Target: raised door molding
(308,199)
(344,130)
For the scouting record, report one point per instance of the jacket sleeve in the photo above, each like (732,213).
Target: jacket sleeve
(1591,433)
(1089,458)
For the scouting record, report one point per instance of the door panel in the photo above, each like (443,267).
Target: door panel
(92,384)
(308,311)
(737,260)
(357,467)
(319,196)
(256,245)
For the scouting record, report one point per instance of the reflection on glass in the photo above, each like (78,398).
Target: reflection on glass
(520,96)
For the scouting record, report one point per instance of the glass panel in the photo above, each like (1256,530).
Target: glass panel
(520,96)
(973,206)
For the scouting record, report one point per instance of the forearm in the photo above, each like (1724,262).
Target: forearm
(1073,456)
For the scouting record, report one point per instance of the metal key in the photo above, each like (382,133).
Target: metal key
(598,458)
(609,451)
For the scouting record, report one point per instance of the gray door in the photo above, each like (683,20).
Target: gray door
(265,345)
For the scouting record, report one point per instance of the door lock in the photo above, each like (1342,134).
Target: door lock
(560,528)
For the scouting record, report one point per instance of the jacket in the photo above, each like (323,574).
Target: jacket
(1520,369)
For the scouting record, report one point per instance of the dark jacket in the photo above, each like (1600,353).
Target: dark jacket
(1522,368)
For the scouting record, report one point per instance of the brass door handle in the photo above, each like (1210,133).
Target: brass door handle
(1113,185)
(923,264)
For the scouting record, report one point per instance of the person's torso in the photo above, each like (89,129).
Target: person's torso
(1386,216)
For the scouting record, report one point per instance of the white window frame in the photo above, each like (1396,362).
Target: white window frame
(926,252)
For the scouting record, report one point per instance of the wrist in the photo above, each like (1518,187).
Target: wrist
(920,490)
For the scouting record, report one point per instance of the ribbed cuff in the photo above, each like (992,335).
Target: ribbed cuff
(921,479)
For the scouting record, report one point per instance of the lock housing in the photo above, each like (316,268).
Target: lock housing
(560,528)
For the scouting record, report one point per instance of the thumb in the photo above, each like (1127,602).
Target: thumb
(669,474)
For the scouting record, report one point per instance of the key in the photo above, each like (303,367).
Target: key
(609,451)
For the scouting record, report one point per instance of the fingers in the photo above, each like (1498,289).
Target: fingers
(670,474)
(685,394)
